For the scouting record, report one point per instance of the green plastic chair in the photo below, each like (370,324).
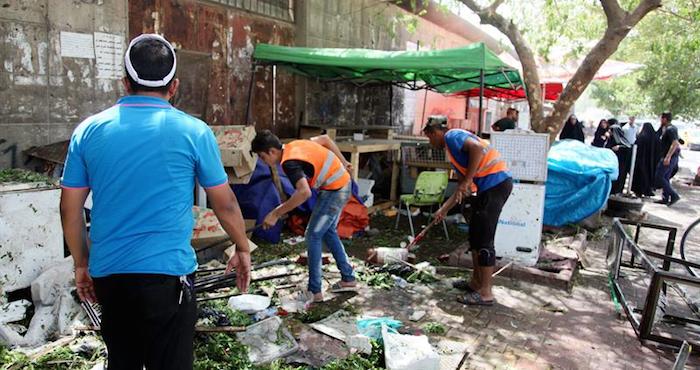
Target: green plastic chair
(429,191)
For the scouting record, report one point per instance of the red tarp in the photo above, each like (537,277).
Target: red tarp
(551,90)
(354,218)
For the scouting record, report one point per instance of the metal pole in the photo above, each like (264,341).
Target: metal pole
(634,160)
(425,101)
(248,118)
(274,97)
(481,101)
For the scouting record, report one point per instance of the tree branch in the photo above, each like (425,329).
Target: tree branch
(493,7)
(613,11)
(642,10)
(527,57)
(617,30)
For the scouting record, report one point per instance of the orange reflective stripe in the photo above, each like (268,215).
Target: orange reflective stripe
(329,172)
(491,162)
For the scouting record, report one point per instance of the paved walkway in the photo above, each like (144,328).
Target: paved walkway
(537,327)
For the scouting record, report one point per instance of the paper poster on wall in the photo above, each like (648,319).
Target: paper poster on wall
(109,54)
(76,45)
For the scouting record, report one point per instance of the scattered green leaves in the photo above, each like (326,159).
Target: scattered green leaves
(220,351)
(10,360)
(435,328)
(217,313)
(373,361)
(23,176)
(381,280)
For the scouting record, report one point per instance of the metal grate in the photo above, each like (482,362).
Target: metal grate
(423,155)
(280,9)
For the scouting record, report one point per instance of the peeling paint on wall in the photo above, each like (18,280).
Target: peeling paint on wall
(43,96)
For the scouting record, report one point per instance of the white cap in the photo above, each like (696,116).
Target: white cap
(132,72)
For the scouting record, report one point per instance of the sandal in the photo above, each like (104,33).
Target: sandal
(339,288)
(462,285)
(474,299)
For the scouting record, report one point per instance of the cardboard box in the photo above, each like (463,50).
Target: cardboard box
(207,229)
(234,144)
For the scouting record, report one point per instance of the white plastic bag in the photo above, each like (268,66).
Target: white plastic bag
(409,352)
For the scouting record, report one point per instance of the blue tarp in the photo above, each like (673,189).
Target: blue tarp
(258,197)
(579,179)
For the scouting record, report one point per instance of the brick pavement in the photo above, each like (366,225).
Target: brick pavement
(531,326)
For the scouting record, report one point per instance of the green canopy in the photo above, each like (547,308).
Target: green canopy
(444,71)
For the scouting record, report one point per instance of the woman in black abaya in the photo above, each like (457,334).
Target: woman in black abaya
(623,150)
(600,136)
(648,156)
(573,130)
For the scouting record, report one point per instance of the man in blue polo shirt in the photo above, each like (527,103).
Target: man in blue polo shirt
(140,159)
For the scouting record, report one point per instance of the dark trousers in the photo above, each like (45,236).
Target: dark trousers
(485,210)
(144,323)
(663,177)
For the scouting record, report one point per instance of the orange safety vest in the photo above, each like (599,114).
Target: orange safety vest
(490,163)
(329,172)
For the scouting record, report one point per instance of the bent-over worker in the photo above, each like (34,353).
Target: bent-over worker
(319,164)
(140,159)
(480,166)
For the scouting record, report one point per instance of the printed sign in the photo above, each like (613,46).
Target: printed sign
(109,54)
(77,45)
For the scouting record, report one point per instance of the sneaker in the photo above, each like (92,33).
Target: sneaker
(673,201)
(662,201)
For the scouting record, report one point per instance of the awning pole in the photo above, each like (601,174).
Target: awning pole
(248,113)
(274,97)
(481,101)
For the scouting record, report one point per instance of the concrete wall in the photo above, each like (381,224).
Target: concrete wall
(367,24)
(215,44)
(43,95)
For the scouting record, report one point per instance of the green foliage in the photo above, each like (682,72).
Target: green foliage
(434,328)
(10,360)
(667,43)
(373,361)
(23,176)
(381,280)
(622,95)
(220,351)
(221,307)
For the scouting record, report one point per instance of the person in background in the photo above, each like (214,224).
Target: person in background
(648,156)
(623,150)
(509,122)
(631,130)
(573,129)
(670,151)
(140,159)
(601,134)
(315,163)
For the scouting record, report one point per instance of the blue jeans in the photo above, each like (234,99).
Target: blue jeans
(322,228)
(663,177)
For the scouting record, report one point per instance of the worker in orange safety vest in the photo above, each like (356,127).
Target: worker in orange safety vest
(316,163)
(480,170)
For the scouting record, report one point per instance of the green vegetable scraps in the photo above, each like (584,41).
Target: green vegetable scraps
(434,328)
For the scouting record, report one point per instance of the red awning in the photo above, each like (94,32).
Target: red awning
(551,91)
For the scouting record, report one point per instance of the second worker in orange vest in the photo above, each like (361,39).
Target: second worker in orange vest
(318,164)
(480,169)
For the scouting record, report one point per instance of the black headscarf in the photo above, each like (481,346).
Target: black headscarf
(599,137)
(648,156)
(617,137)
(623,153)
(572,130)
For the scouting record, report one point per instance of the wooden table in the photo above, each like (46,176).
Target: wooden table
(355,148)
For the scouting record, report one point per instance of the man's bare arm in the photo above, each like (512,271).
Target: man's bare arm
(326,141)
